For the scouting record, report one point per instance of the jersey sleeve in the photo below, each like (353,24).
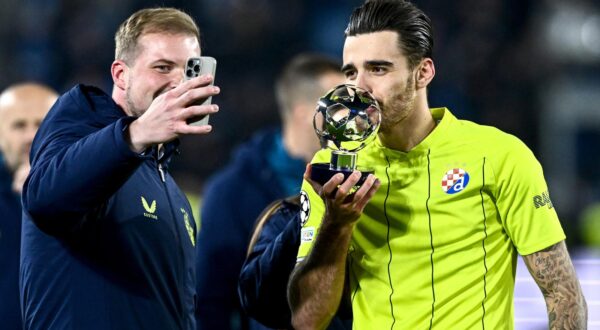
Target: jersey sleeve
(523,200)
(311,212)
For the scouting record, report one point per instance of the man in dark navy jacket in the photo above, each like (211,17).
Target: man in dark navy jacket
(108,237)
(266,168)
(22,109)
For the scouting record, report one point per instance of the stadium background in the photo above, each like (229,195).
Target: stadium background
(531,68)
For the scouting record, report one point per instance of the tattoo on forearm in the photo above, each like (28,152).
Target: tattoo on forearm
(554,273)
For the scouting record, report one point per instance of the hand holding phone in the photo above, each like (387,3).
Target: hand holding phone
(197,66)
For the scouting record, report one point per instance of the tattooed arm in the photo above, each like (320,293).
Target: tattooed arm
(554,273)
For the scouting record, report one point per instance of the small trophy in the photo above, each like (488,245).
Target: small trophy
(346,120)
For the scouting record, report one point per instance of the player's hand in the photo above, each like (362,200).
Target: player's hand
(166,117)
(343,205)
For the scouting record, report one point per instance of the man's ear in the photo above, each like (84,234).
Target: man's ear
(119,71)
(425,73)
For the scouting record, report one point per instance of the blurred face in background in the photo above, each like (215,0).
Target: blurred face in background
(325,82)
(22,109)
(303,141)
(158,67)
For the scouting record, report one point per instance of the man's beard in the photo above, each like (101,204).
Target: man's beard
(131,105)
(133,110)
(400,106)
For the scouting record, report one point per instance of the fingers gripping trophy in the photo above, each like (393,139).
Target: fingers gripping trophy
(347,118)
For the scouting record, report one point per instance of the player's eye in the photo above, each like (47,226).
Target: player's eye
(379,70)
(350,74)
(163,68)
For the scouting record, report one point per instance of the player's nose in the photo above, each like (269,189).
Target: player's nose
(362,81)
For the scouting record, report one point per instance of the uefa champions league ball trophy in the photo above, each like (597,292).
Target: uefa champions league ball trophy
(347,118)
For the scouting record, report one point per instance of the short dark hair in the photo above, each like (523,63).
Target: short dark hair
(298,80)
(415,34)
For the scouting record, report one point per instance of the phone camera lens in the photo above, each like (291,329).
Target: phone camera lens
(190,63)
(189,73)
(196,68)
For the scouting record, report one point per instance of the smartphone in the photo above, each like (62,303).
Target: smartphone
(194,67)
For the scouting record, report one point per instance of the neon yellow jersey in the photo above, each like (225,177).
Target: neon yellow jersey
(436,247)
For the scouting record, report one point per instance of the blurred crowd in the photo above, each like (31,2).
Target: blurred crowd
(497,62)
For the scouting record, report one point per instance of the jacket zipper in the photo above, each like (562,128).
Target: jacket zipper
(161,172)
(182,269)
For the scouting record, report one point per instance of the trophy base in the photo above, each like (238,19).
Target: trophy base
(322,172)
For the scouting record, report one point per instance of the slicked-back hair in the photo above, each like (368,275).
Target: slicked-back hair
(151,20)
(299,80)
(415,34)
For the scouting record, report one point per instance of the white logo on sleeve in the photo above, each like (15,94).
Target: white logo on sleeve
(307,234)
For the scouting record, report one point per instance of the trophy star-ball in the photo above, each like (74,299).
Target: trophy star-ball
(347,117)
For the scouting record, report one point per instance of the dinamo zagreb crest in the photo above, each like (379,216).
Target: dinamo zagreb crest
(455,180)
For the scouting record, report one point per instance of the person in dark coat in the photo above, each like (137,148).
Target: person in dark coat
(22,109)
(266,168)
(270,260)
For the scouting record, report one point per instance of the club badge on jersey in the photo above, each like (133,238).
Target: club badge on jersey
(455,180)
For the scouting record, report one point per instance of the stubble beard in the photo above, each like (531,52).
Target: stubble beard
(399,107)
(129,99)
(132,109)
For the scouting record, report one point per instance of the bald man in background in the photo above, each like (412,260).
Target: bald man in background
(22,109)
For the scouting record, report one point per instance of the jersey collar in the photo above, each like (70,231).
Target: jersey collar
(443,117)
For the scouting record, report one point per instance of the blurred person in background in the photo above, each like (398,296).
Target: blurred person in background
(432,238)
(108,236)
(266,168)
(22,109)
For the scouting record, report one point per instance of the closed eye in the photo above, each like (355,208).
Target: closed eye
(163,68)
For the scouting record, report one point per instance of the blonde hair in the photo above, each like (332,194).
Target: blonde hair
(151,20)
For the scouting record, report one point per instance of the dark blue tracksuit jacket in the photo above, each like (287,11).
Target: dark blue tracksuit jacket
(108,237)
(264,276)
(10,244)
(233,198)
